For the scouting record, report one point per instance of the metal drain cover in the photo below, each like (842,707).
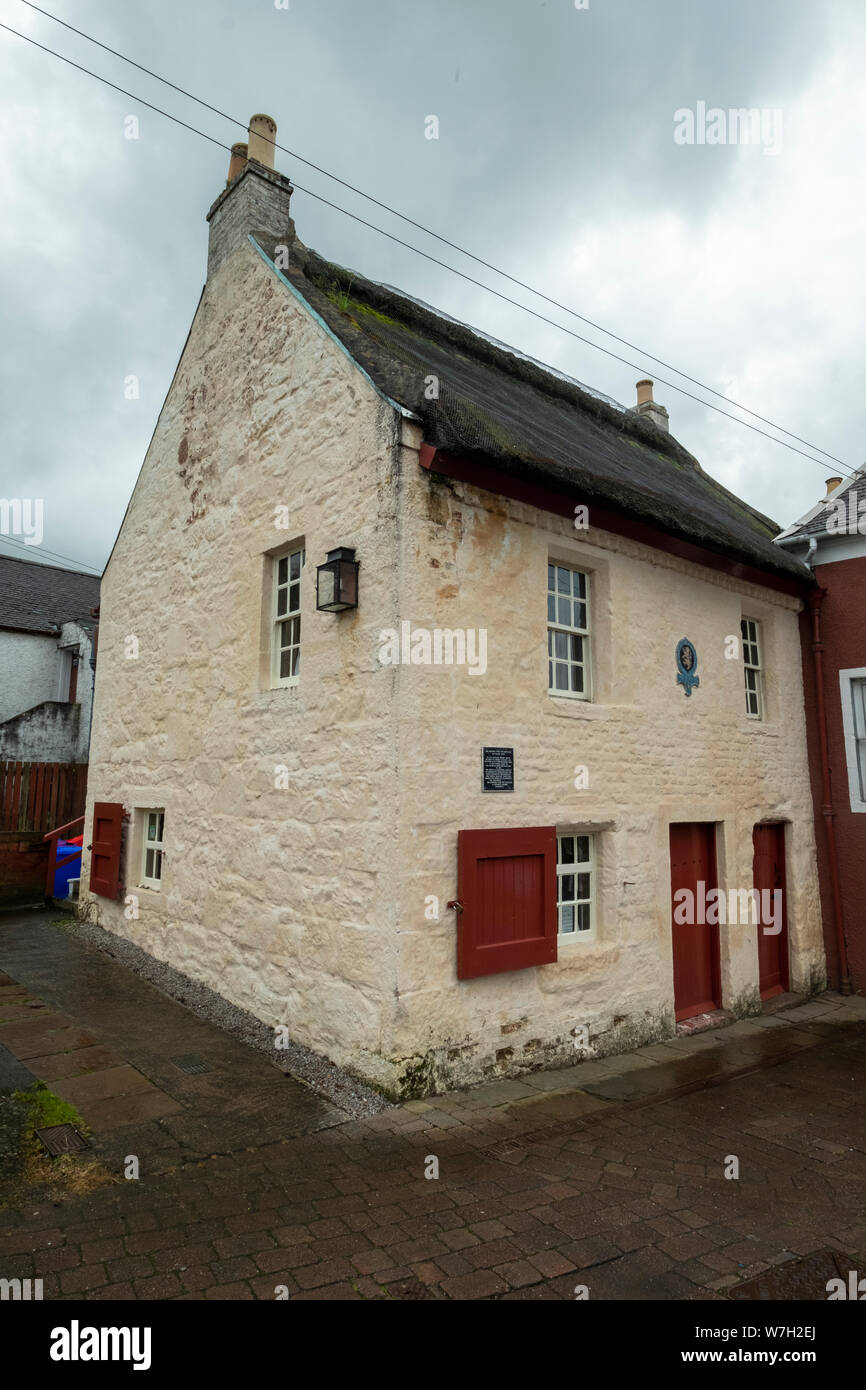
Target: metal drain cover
(62,1139)
(797,1279)
(516,1143)
(189,1063)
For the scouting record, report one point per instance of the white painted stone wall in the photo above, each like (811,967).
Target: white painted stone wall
(283,900)
(29,667)
(306,905)
(471,560)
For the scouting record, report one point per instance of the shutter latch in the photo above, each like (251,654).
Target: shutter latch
(458,907)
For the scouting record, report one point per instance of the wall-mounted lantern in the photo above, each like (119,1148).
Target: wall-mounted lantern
(337,581)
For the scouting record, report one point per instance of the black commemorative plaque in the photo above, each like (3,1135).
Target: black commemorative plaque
(497,769)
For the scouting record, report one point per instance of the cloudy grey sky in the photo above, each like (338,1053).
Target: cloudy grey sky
(556,160)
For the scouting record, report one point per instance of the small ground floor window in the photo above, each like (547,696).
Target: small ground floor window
(575,884)
(152,847)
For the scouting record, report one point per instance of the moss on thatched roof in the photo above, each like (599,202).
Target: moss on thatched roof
(528,420)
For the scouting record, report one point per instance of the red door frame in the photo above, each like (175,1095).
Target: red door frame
(768,871)
(696,960)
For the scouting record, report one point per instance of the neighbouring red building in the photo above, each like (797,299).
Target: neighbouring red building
(831,538)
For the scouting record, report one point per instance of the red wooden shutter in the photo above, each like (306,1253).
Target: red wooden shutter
(507,887)
(105,855)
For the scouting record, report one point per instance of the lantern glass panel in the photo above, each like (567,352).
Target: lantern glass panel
(348,583)
(327,586)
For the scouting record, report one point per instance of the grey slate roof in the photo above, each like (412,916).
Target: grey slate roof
(33,597)
(814,523)
(529,420)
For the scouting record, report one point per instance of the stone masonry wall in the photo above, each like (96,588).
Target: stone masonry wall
(282,900)
(471,560)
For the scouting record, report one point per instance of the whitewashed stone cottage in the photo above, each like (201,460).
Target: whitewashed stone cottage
(438,833)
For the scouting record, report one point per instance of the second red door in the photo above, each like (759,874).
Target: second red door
(769,878)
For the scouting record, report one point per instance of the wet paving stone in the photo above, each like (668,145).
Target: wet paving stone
(617,1183)
(800,1280)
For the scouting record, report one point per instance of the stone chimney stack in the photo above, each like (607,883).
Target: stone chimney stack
(255,199)
(649,408)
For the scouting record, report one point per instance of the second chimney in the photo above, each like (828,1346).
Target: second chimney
(237,162)
(649,408)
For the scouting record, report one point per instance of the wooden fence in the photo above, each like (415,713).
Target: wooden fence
(34,798)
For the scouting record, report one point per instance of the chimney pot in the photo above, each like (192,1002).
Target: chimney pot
(649,408)
(237,162)
(262,139)
(832,484)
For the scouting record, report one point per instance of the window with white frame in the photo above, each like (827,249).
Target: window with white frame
(568,664)
(575,884)
(286,639)
(152,847)
(751,633)
(853,691)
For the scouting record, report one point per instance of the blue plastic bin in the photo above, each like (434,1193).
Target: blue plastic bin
(68,871)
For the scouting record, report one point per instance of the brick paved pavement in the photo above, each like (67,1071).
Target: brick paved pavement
(543,1185)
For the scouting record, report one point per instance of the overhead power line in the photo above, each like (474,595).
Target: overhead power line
(420,226)
(427,256)
(36,551)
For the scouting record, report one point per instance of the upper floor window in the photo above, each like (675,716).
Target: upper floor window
(568,664)
(286,639)
(853,689)
(751,632)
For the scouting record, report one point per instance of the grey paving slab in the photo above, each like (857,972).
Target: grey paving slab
(806,1011)
(243,1098)
(14,1075)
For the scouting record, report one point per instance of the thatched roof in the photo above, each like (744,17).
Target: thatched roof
(527,419)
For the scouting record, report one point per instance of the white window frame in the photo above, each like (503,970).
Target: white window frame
(753,640)
(154,845)
(855,736)
(584,633)
(291,614)
(563,870)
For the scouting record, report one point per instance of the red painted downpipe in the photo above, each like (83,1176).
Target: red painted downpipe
(816,600)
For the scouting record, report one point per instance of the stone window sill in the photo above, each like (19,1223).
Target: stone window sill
(563,706)
(760,727)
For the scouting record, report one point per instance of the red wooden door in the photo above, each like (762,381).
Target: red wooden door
(697,987)
(768,867)
(507,892)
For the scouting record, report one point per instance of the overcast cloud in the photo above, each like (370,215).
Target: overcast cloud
(556,160)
